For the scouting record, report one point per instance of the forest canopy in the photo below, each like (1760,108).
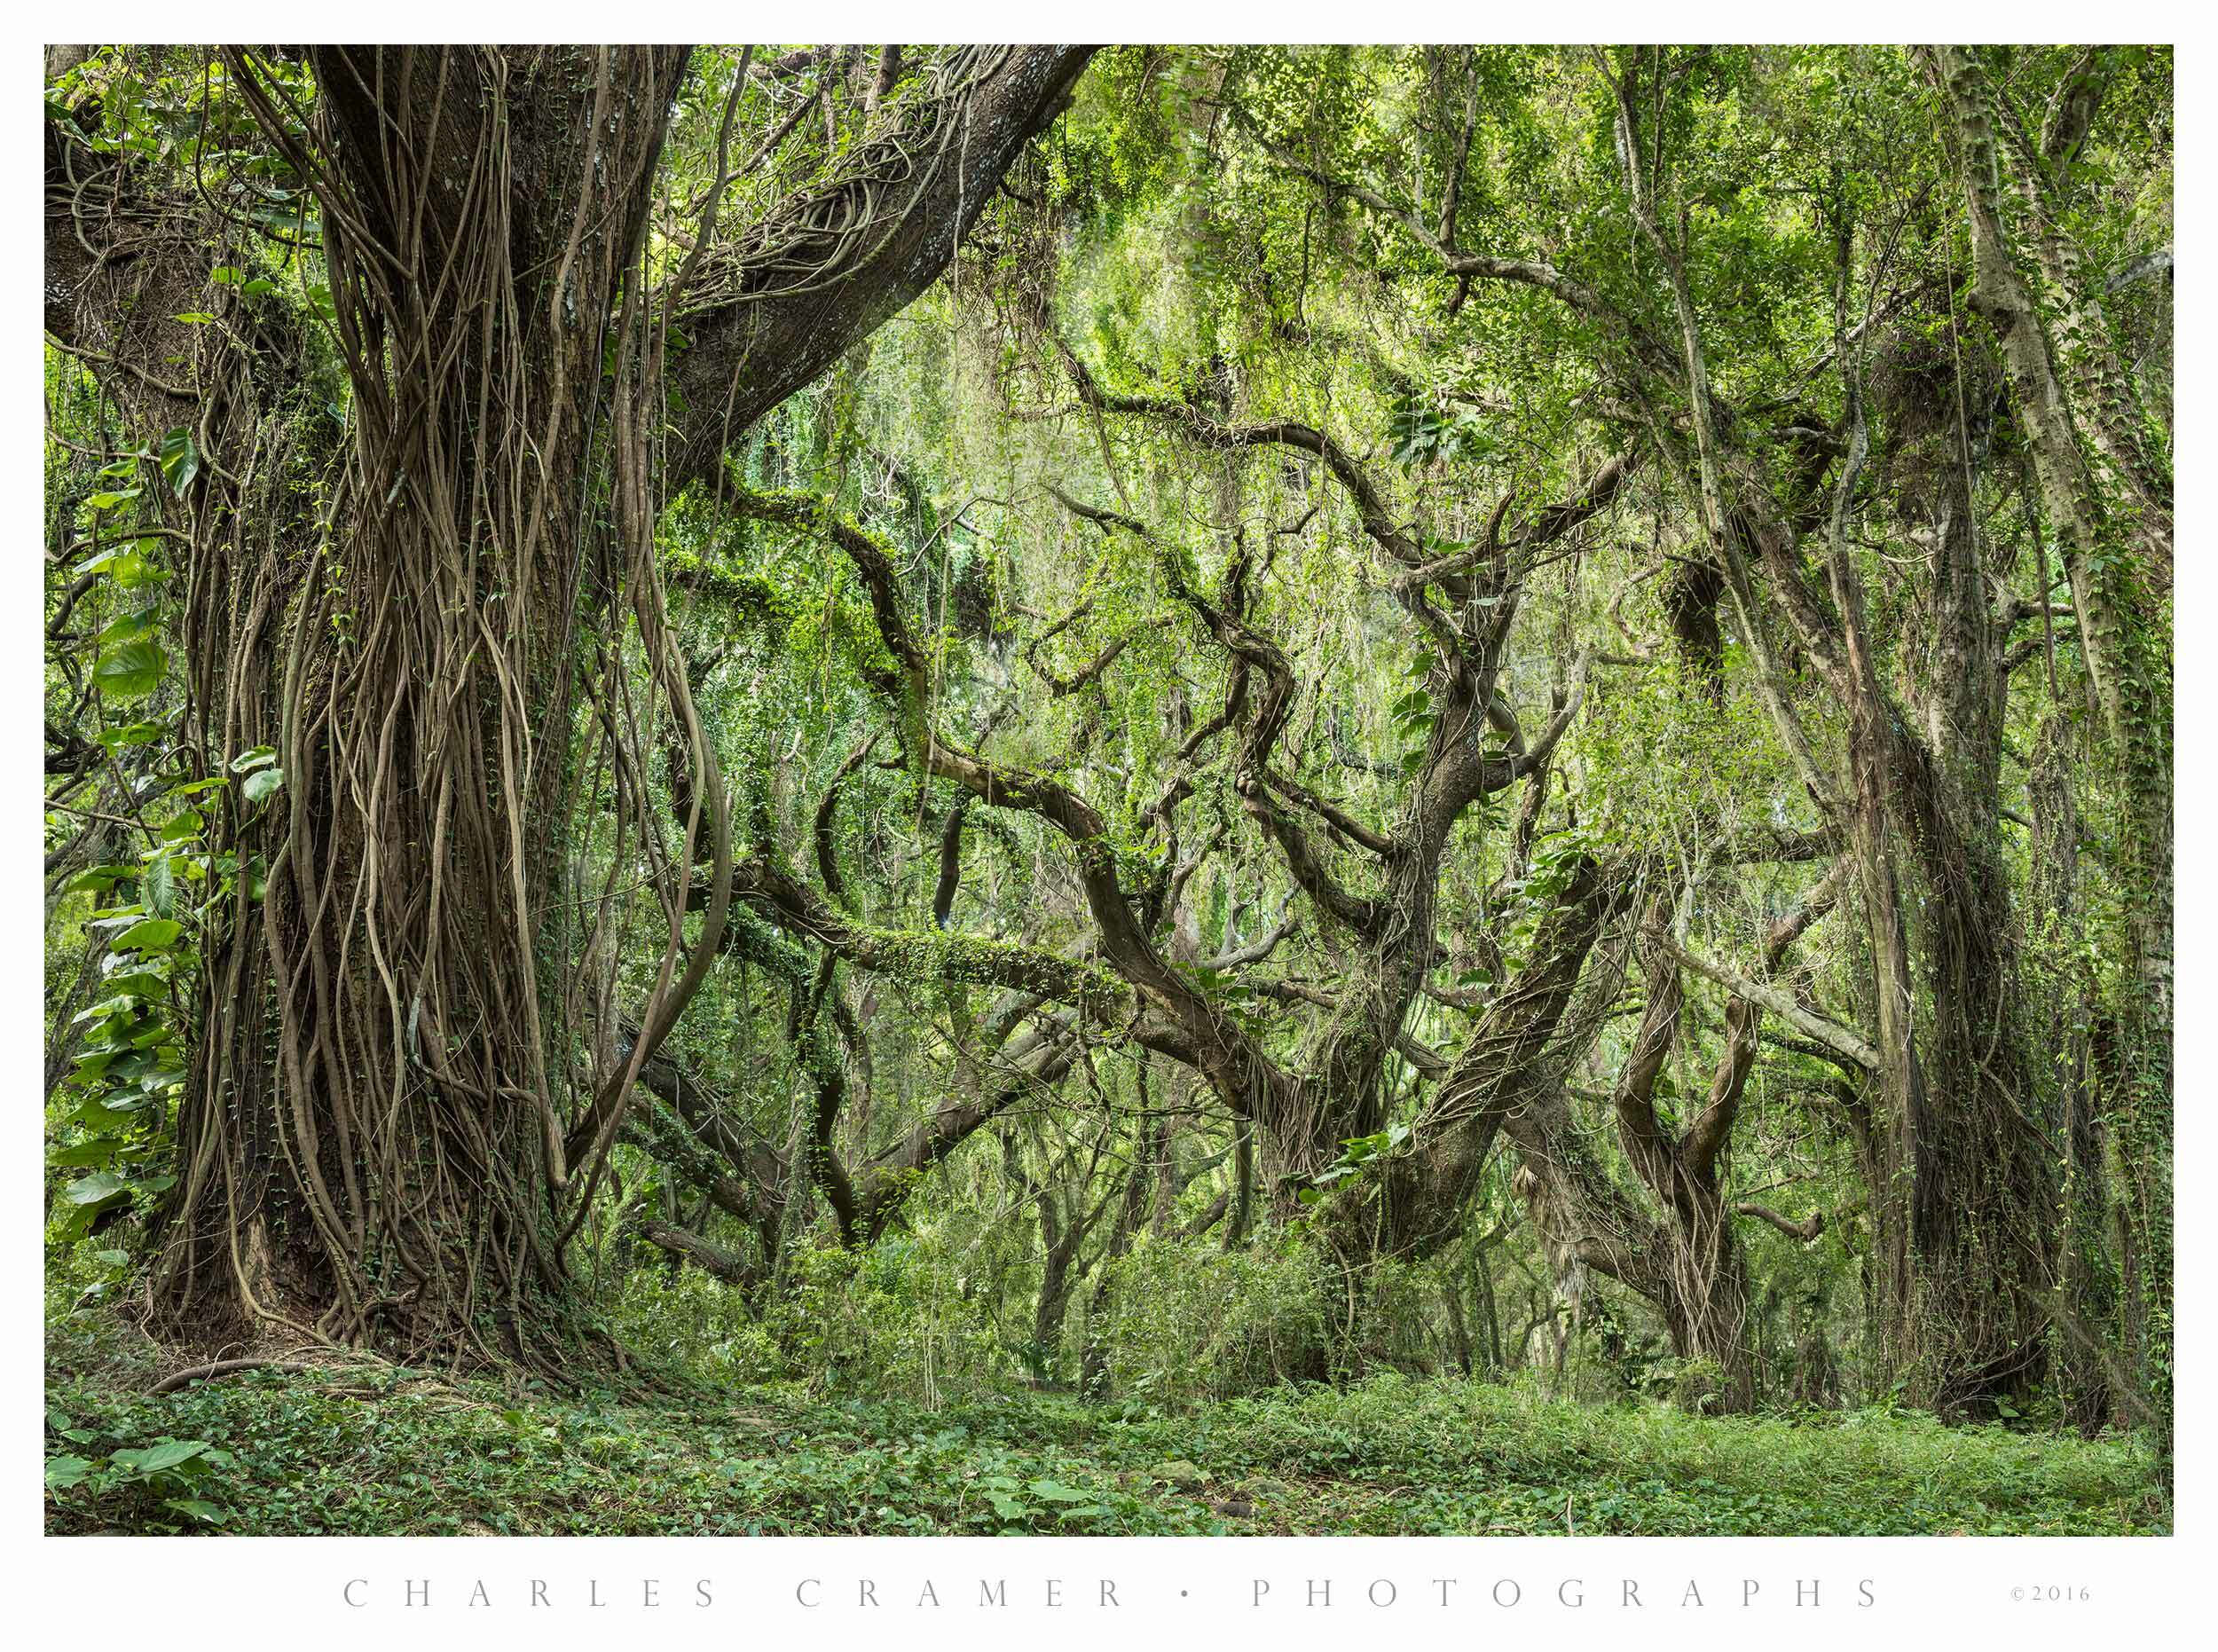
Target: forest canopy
(1145,722)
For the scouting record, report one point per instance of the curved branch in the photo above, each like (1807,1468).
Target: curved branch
(1807,1230)
(758,345)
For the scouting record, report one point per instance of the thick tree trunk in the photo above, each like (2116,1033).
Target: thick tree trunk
(2063,414)
(1695,1272)
(1981,1217)
(394,1173)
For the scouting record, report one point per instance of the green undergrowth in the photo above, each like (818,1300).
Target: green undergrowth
(388,1451)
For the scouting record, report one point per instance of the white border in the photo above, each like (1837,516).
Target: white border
(230,1593)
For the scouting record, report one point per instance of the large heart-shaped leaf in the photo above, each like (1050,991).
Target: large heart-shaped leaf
(152,1459)
(64,1471)
(130,671)
(150,934)
(102,1187)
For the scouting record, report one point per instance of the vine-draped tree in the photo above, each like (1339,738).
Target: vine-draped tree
(388,1124)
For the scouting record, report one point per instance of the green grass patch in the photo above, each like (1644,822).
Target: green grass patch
(387,1452)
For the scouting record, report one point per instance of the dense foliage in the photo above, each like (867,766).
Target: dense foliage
(1488,726)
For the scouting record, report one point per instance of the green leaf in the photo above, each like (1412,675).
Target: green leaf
(261,783)
(261,756)
(99,1151)
(180,460)
(161,885)
(132,670)
(1057,1493)
(100,1188)
(96,879)
(129,627)
(153,1459)
(64,1471)
(130,734)
(152,934)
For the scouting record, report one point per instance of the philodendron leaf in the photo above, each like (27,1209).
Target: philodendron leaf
(149,934)
(101,1187)
(64,1471)
(152,1459)
(180,459)
(130,671)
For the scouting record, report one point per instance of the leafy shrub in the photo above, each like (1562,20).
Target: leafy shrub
(164,1486)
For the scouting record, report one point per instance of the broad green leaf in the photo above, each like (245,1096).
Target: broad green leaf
(64,1471)
(131,670)
(130,734)
(152,1459)
(180,460)
(150,934)
(137,623)
(100,1188)
(95,879)
(161,885)
(100,1149)
(1055,1492)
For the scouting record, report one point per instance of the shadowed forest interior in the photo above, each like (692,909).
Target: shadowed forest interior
(1031,788)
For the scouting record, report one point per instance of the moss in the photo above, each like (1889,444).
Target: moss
(936,956)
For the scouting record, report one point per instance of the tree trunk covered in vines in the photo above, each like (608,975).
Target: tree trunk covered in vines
(2115,543)
(405,1087)
(397,1172)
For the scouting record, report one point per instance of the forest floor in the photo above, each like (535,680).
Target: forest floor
(378,1450)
